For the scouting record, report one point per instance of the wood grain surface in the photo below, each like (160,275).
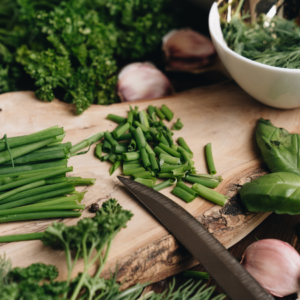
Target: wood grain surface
(223,115)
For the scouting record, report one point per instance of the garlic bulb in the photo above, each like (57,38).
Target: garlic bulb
(275,265)
(138,81)
(187,50)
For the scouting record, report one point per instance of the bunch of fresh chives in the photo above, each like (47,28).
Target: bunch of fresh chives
(144,146)
(33,182)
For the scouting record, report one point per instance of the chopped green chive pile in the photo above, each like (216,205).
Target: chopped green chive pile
(143,145)
(33,182)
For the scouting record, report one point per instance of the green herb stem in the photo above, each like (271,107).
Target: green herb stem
(21,237)
(184,145)
(210,160)
(211,183)
(87,142)
(125,136)
(159,113)
(114,167)
(132,166)
(153,162)
(110,139)
(209,194)
(116,118)
(144,119)
(182,194)
(144,174)
(133,171)
(141,126)
(98,150)
(196,275)
(167,112)
(169,159)
(139,138)
(148,182)
(169,150)
(120,131)
(183,186)
(165,184)
(131,156)
(145,158)
(40,215)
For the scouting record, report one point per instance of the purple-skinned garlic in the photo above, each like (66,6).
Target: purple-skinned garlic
(139,81)
(275,265)
(187,50)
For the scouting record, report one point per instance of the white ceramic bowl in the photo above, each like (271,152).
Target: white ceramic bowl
(277,87)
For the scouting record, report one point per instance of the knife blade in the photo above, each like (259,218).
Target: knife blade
(233,278)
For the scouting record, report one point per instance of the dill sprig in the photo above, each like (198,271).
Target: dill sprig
(274,42)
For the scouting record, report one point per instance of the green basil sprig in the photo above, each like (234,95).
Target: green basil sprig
(278,192)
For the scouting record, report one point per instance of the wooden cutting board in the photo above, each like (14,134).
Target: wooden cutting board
(145,251)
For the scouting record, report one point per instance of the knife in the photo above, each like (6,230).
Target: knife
(233,278)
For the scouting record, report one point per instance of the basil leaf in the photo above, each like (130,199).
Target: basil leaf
(278,192)
(279,149)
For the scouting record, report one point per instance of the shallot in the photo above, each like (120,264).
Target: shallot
(275,265)
(187,50)
(139,81)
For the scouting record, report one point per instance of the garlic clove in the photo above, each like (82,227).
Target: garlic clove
(139,81)
(275,265)
(187,50)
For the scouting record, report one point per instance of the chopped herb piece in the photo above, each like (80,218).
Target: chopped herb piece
(167,112)
(210,160)
(178,125)
(116,119)
(209,194)
(196,275)
(182,194)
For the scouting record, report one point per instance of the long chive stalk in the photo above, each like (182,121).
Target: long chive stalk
(143,174)
(209,194)
(145,158)
(74,198)
(139,138)
(121,130)
(62,153)
(114,167)
(144,119)
(158,151)
(211,183)
(131,156)
(40,215)
(169,159)
(159,113)
(181,185)
(31,138)
(37,191)
(210,160)
(164,184)
(87,142)
(98,150)
(30,209)
(8,149)
(153,162)
(29,169)
(169,150)
(125,136)
(148,182)
(182,194)
(196,275)
(29,200)
(74,180)
(133,171)
(116,118)
(22,189)
(34,179)
(184,145)
(67,145)
(21,237)
(167,112)
(22,150)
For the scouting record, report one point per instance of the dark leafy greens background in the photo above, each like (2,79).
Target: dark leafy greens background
(73,49)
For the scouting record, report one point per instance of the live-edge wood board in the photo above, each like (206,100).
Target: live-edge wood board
(145,251)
